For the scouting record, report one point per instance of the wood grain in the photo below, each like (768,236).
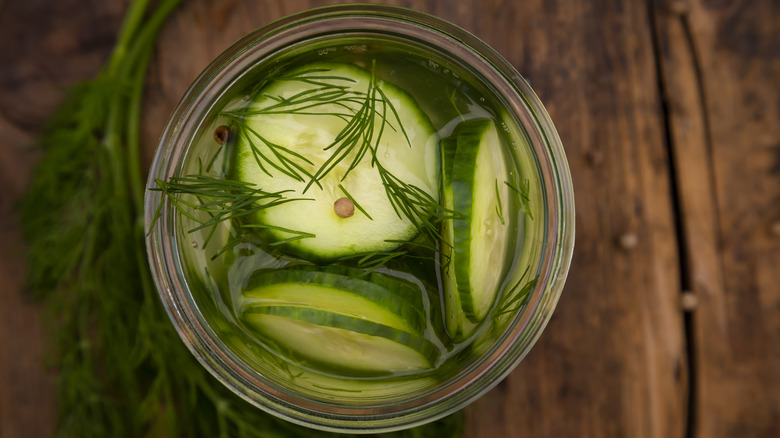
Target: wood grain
(668,111)
(612,360)
(721,64)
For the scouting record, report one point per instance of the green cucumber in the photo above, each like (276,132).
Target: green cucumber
(303,134)
(384,299)
(477,238)
(339,318)
(403,289)
(457,325)
(337,342)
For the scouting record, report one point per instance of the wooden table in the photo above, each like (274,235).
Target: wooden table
(669,111)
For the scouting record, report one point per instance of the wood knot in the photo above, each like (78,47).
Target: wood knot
(775,229)
(594,157)
(678,7)
(344,207)
(221,134)
(689,301)
(628,241)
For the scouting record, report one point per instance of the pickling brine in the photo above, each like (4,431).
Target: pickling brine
(357,214)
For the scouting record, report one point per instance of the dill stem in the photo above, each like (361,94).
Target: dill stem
(133,149)
(133,18)
(141,52)
(124,186)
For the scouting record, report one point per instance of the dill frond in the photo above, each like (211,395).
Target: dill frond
(220,199)
(517,296)
(522,190)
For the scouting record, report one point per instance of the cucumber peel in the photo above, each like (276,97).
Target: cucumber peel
(384,299)
(476,239)
(338,343)
(334,321)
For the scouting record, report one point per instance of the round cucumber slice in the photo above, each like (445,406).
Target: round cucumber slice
(340,343)
(474,176)
(282,146)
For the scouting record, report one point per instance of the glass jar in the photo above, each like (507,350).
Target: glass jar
(188,280)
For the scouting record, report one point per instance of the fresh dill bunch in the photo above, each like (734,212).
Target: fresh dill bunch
(122,369)
(80,218)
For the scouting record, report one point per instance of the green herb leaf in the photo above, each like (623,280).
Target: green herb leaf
(522,190)
(220,200)
(499,207)
(517,296)
(357,205)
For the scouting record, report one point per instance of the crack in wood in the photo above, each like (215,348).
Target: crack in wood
(677,9)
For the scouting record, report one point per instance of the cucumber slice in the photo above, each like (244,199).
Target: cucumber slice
(302,134)
(455,321)
(399,287)
(339,318)
(341,343)
(383,299)
(476,240)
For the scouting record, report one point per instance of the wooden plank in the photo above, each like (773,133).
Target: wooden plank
(612,361)
(721,64)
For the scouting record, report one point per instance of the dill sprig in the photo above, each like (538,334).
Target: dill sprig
(375,259)
(517,296)
(419,207)
(297,235)
(287,159)
(522,190)
(354,201)
(220,199)
(499,206)
(86,256)
(358,137)
(306,102)
(122,369)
